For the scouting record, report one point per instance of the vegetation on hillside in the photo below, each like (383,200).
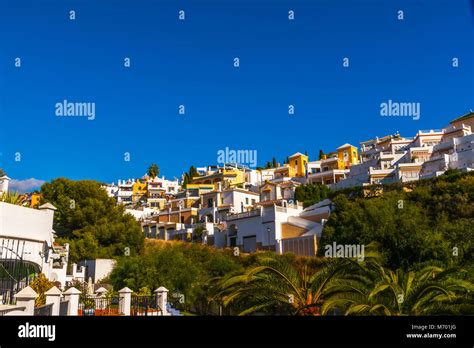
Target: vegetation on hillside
(265,283)
(310,194)
(186,269)
(416,222)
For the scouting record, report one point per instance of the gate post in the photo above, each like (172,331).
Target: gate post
(72,294)
(125,301)
(162,299)
(53,296)
(26,298)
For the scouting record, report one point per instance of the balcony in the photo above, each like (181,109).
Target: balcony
(374,171)
(247,214)
(431,131)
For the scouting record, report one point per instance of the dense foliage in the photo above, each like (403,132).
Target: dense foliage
(310,194)
(270,284)
(422,221)
(183,268)
(93,224)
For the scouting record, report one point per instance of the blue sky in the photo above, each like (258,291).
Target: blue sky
(190,62)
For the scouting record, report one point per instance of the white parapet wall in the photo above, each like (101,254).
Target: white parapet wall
(27,233)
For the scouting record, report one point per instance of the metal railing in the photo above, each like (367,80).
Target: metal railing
(91,305)
(145,306)
(45,310)
(11,308)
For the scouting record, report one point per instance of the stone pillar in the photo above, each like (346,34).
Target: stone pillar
(72,295)
(125,301)
(162,299)
(26,298)
(53,296)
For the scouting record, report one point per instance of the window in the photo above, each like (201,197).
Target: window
(246,200)
(209,203)
(253,201)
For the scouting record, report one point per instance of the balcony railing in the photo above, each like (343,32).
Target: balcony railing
(246,214)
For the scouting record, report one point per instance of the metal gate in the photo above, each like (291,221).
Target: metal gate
(91,305)
(45,310)
(15,272)
(145,306)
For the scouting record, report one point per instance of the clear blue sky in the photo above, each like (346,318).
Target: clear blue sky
(174,62)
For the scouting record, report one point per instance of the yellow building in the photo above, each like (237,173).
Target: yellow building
(298,163)
(35,199)
(200,188)
(139,191)
(227,177)
(347,156)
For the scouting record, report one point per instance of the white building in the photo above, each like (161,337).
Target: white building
(141,214)
(391,159)
(215,205)
(451,153)
(258,229)
(27,237)
(97,269)
(162,185)
(112,190)
(125,191)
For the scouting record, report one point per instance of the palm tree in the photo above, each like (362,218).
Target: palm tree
(371,289)
(13,198)
(277,285)
(153,171)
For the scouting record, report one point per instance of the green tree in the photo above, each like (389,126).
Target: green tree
(427,220)
(2,173)
(274,163)
(93,224)
(311,193)
(321,154)
(153,171)
(188,177)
